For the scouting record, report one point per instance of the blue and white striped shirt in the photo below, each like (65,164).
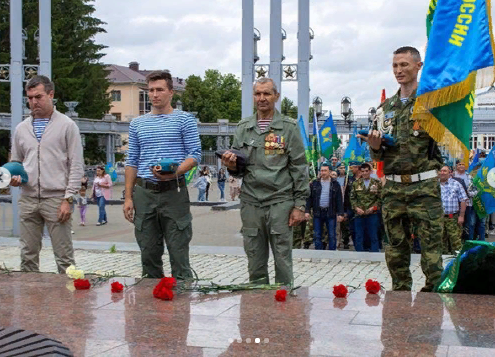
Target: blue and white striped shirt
(152,137)
(39,125)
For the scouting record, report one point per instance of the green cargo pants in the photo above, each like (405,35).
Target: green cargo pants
(163,216)
(421,203)
(452,234)
(263,226)
(303,234)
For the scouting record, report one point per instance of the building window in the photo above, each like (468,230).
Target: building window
(118,116)
(116,96)
(144,102)
(488,142)
(473,143)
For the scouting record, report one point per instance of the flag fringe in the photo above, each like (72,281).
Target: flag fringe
(444,96)
(492,41)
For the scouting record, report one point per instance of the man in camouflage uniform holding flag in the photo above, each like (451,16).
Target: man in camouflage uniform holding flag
(412,191)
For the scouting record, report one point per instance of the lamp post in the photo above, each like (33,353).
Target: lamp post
(346,110)
(178,105)
(318,107)
(371,115)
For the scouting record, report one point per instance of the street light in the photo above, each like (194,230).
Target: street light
(318,106)
(178,105)
(346,110)
(371,115)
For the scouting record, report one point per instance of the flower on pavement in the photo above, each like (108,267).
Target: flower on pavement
(82,284)
(281,295)
(73,273)
(373,286)
(340,291)
(117,287)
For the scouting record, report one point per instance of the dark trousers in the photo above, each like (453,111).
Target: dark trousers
(163,217)
(331,224)
(367,229)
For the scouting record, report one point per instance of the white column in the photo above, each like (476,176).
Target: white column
(247,57)
(276,45)
(45,38)
(15,90)
(303,63)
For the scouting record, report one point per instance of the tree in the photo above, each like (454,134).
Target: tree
(288,108)
(213,97)
(77,71)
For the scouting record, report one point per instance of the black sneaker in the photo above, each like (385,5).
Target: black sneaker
(346,246)
(306,245)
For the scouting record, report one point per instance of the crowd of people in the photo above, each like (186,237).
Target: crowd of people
(354,218)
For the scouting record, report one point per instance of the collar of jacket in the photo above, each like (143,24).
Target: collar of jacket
(277,121)
(55,115)
(396,102)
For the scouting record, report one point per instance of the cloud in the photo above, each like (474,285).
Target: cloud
(352,49)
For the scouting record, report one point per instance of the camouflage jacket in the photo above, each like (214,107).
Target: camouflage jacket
(364,198)
(277,170)
(413,144)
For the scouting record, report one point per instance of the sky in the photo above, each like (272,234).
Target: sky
(352,48)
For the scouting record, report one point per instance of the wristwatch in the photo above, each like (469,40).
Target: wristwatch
(69,199)
(301,208)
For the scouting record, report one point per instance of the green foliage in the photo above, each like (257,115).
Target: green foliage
(216,96)
(288,108)
(113,249)
(93,154)
(77,71)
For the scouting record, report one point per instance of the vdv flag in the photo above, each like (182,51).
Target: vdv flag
(476,159)
(111,171)
(316,152)
(329,138)
(190,174)
(459,60)
(485,181)
(353,152)
(305,139)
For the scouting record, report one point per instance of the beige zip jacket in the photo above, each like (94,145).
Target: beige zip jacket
(55,164)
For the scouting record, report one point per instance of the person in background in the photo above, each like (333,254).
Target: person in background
(84,181)
(233,187)
(341,176)
(454,200)
(201,183)
(221,183)
(82,202)
(207,174)
(325,201)
(101,193)
(460,173)
(366,202)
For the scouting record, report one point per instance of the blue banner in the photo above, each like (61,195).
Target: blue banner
(486,181)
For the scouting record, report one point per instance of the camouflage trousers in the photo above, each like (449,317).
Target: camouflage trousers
(303,234)
(452,234)
(418,202)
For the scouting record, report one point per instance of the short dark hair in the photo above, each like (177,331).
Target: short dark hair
(408,49)
(37,80)
(365,166)
(157,75)
(325,165)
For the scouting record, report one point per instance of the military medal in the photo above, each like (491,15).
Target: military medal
(416,128)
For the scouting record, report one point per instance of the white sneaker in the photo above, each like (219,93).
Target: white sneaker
(72,232)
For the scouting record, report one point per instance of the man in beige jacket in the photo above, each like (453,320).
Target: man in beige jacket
(48,144)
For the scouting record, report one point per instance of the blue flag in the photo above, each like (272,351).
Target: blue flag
(485,181)
(305,139)
(353,152)
(111,171)
(329,138)
(476,159)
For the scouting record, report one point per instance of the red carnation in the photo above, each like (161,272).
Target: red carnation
(117,287)
(163,293)
(281,295)
(168,283)
(340,291)
(373,286)
(81,284)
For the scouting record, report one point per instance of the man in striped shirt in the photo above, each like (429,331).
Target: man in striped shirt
(158,204)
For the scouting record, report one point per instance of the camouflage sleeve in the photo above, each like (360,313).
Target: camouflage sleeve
(298,167)
(378,201)
(353,198)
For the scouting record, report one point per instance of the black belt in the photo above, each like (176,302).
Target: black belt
(161,186)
